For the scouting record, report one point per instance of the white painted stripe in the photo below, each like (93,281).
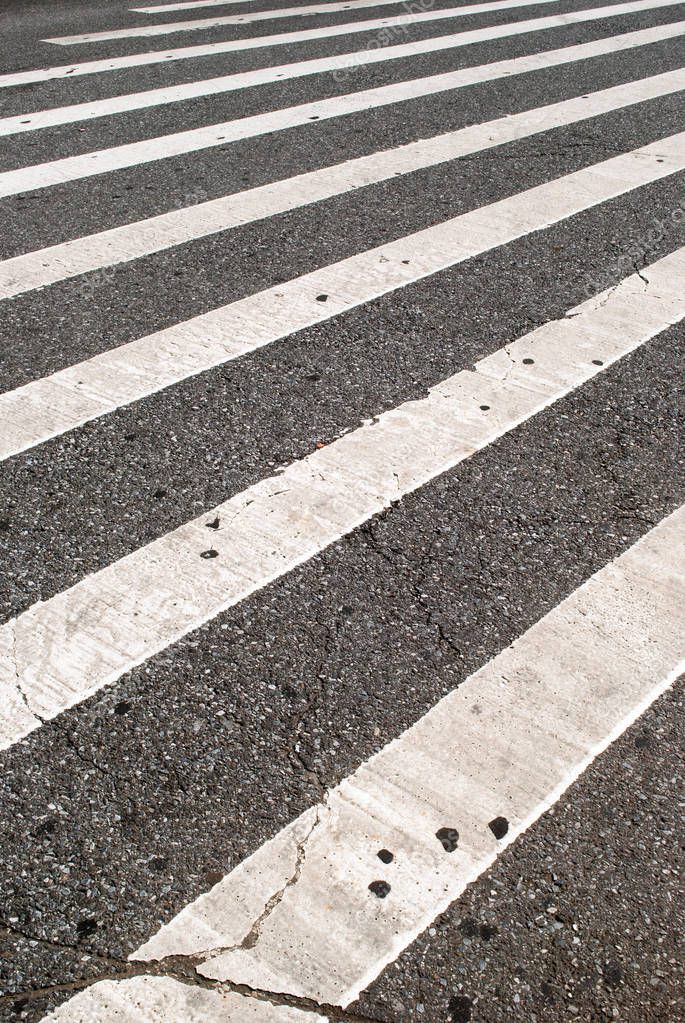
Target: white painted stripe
(164,1000)
(165,8)
(193,52)
(32,121)
(196,4)
(50,406)
(63,650)
(246,19)
(74,168)
(132,241)
(193,5)
(506,744)
(298,917)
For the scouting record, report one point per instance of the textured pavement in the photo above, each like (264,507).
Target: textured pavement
(129,805)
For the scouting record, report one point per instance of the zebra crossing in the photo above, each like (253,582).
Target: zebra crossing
(108,248)
(156,97)
(371,55)
(133,154)
(341,489)
(300,953)
(71,397)
(235,19)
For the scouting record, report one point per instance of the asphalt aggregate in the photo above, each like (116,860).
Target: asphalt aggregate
(127,806)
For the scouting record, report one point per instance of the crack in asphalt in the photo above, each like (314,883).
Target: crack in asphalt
(186,968)
(638,271)
(413,578)
(176,967)
(91,762)
(11,929)
(312,701)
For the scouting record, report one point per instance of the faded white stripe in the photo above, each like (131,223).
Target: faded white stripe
(192,52)
(32,121)
(103,161)
(65,649)
(246,19)
(47,407)
(132,241)
(506,744)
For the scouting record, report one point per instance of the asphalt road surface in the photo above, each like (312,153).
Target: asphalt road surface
(342,511)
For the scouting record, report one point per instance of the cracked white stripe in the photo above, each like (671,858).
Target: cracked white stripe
(63,650)
(231,46)
(444,799)
(45,408)
(132,241)
(165,1000)
(447,796)
(169,27)
(73,168)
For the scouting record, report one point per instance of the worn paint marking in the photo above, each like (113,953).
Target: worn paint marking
(48,407)
(154,234)
(480,767)
(63,650)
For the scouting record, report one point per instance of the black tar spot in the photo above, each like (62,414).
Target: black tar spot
(385,856)
(46,827)
(613,974)
(448,838)
(468,927)
(499,827)
(84,928)
(460,1009)
(379,888)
